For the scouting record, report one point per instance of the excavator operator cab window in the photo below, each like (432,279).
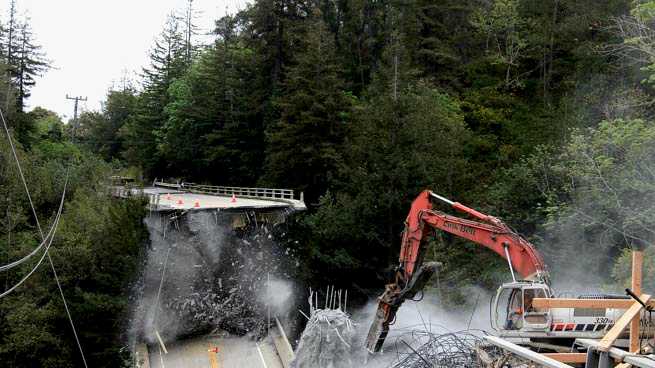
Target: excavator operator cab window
(515,310)
(532,316)
(511,308)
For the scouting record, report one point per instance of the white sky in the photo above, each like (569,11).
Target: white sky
(94,43)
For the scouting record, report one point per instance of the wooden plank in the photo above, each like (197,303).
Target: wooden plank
(568,357)
(582,303)
(623,365)
(525,353)
(611,335)
(637,264)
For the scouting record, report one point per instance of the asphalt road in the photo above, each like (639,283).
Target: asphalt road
(233,352)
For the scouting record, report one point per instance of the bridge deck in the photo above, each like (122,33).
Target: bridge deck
(191,201)
(165,197)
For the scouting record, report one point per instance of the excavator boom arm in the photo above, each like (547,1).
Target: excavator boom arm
(522,255)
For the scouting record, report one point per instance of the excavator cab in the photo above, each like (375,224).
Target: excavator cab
(513,309)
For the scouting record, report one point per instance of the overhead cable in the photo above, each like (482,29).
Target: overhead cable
(50,234)
(43,237)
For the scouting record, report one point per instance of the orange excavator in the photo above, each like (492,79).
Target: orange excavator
(513,314)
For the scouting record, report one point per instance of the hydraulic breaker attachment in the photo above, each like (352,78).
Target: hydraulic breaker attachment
(394,296)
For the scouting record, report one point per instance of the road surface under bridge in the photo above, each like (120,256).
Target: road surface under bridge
(212,351)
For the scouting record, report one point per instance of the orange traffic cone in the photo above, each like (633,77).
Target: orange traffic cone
(179,201)
(197,205)
(234,198)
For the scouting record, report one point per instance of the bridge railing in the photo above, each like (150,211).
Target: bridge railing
(268,193)
(126,192)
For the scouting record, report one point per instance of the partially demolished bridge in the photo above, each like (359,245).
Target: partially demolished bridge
(211,246)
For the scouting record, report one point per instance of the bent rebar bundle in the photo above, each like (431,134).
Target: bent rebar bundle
(423,349)
(327,341)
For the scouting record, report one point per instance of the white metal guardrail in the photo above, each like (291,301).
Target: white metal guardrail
(267,193)
(160,188)
(125,192)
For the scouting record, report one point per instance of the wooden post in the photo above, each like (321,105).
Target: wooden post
(637,264)
(547,303)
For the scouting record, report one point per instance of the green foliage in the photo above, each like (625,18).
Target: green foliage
(304,144)
(622,270)
(504,29)
(96,252)
(594,197)
(418,144)
(99,254)
(104,132)
(48,125)
(140,133)
(504,105)
(644,10)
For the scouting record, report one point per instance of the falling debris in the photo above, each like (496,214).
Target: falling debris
(227,311)
(202,275)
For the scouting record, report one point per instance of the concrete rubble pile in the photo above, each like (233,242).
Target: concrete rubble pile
(327,341)
(227,311)
(329,336)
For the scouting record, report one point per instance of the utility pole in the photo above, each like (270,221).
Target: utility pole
(77,100)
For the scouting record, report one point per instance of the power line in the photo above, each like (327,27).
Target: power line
(38,224)
(56,221)
(17,263)
(38,264)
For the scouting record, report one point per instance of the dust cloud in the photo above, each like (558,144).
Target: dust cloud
(202,276)
(321,346)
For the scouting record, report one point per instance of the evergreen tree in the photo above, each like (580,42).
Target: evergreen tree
(271,28)
(304,144)
(11,41)
(167,63)
(30,63)
(101,132)
(10,47)
(361,36)
(190,30)
(216,107)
